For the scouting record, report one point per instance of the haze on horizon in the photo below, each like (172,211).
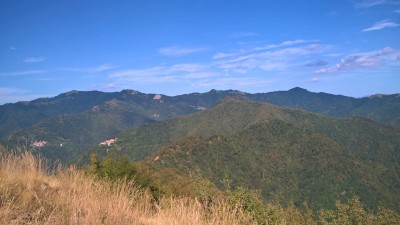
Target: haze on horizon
(348,47)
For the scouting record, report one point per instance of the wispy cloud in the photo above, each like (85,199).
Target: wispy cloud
(22,73)
(254,49)
(34,59)
(268,60)
(159,70)
(316,63)
(160,74)
(134,74)
(112,87)
(221,55)
(12,48)
(381,25)
(371,3)
(315,79)
(97,69)
(283,44)
(180,51)
(237,69)
(365,60)
(229,82)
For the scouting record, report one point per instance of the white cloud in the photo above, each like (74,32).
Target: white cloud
(34,59)
(364,60)
(241,68)
(160,70)
(316,63)
(158,74)
(283,44)
(264,56)
(187,67)
(97,69)
(103,67)
(326,70)
(270,60)
(221,55)
(352,62)
(112,87)
(22,73)
(381,25)
(179,51)
(13,48)
(157,70)
(371,3)
(231,82)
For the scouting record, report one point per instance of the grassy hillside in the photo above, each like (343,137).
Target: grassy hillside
(291,155)
(30,193)
(33,193)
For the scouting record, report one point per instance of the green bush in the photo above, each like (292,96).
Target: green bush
(354,213)
(115,168)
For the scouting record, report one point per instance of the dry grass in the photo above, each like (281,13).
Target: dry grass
(31,193)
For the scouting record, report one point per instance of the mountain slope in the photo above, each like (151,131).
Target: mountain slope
(226,118)
(68,135)
(381,108)
(29,113)
(26,114)
(291,155)
(94,116)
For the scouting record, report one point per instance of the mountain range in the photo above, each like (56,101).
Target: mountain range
(291,155)
(294,146)
(75,121)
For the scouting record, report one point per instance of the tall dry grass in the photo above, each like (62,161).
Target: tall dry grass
(32,193)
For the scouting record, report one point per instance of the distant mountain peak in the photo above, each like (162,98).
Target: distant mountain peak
(298,89)
(214,91)
(377,96)
(71,92)
(131,92)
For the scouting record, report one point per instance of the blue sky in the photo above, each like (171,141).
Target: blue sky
(348,47)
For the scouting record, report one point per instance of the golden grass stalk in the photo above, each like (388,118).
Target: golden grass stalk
(31,193)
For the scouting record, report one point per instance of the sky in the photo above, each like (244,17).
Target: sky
(347,47)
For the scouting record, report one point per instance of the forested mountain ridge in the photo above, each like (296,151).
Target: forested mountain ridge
(74,122)
(382,108)
(289,154)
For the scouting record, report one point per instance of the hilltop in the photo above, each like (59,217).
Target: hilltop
(291,155)
(73,122)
